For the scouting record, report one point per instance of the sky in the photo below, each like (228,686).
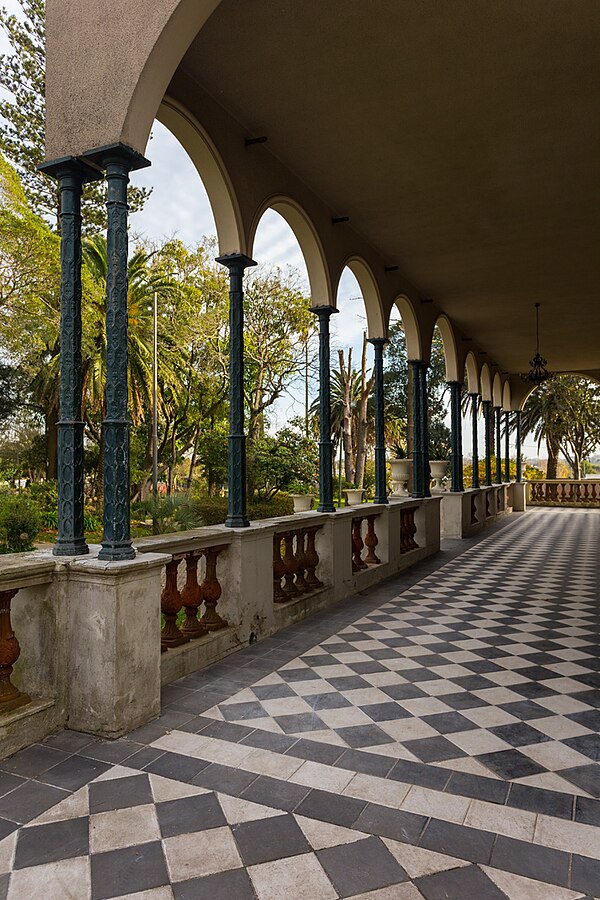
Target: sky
(179,207)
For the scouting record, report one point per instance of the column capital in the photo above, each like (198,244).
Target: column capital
(378,341)
(455,381)
(235,261)
(69,167)
(100,157)
(323,310)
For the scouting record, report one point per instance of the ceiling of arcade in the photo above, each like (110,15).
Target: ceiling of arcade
(461,138)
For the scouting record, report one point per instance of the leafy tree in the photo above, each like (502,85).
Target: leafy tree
(279,461)
(565,413)
(22,126)
(398,390)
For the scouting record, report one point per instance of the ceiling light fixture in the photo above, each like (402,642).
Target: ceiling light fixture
(538,372)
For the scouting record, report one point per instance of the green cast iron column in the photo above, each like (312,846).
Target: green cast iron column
(487,417)
(236,513)
(498,419)
(380,465)
(117,161)
(425,427)
(506,446)
(518,445)
(418,436)
(324,313)
(456,454)
(70,541)
(474,411)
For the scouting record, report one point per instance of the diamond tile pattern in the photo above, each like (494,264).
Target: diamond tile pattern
(493,659)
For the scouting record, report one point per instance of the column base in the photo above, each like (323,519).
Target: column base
(117,552)
(77,547)
(237,522)
(326,507)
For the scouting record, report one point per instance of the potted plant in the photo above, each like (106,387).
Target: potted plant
(354,495)
(439,450)
(302,496)
(401,467)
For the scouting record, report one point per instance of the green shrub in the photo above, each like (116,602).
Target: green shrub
(213,510)
(44,494)
(20,523)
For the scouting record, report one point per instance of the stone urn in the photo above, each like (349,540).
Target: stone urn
(401,471)
(354,496)
(439,469)
(302,502)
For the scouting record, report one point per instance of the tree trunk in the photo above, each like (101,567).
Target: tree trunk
(51,420)
(193,459)
(553,451)
(346,374)
(362,429)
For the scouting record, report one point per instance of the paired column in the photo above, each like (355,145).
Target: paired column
(456,454)
(474,413)
(117,161)
(498,442)
(236,513)
(421,472)
(518,445)
(324,313)
(487,418)
(71,175)
(506,446)
(380,464)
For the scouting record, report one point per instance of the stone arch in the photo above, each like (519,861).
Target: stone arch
(506,396)
(472,373)
(211,170)
(486,382)
(369,289)
(310,244)
(163,34)
(450,349)
(414,344)
(497,390)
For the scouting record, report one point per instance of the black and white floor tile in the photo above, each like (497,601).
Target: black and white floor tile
(488,666)
(435,737)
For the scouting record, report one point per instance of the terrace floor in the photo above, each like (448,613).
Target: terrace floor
(434,737)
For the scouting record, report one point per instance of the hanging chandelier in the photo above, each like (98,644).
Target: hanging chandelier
(538,372)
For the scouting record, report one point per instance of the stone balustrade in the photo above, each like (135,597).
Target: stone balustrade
(564,492)
(464,513)
(92,652)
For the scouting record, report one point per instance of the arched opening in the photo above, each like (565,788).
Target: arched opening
(211,170)
(472,373)
(561,419)
(448,340)
(485,381)
(309,241)
(352,377)
(497,390)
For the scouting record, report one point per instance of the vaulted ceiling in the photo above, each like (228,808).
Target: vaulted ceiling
(461,138)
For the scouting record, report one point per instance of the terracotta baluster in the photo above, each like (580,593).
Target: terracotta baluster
(191,598)
(279,595)
(10,697)
(301,582)
(289,562)
(371,542)
(311,560)
(211,591)
(170,604)
(357,546)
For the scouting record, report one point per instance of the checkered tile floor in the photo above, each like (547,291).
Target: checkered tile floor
(488,666)
(439,744)
(144,836)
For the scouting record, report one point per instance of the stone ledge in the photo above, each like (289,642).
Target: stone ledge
(28,725)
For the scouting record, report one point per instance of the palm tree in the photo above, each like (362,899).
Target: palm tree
(144,281)
(543,418)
